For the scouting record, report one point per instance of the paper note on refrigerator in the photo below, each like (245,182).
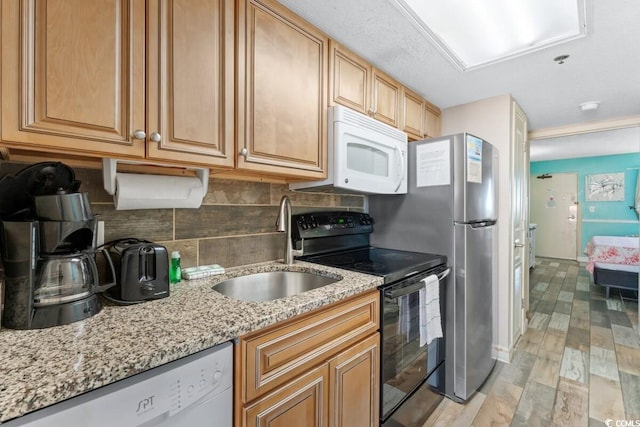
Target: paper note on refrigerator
(474,159)
(433,164)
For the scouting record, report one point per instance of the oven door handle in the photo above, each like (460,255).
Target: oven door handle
(414,287)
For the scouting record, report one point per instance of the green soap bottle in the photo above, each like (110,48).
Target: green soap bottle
(175,272)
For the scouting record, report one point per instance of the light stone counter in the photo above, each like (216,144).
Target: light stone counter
(42,367)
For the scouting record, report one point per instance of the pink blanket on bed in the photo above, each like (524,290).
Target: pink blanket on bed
(610,254)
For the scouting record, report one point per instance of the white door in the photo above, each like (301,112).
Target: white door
(554,210)
(520,223)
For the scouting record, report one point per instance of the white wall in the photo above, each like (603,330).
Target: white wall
(490,119)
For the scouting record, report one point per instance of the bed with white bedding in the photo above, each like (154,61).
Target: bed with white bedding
(614,261)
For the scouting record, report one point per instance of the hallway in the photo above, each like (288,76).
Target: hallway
(577,365)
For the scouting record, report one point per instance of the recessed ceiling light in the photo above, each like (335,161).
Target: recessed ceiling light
(475,33)
(589,105)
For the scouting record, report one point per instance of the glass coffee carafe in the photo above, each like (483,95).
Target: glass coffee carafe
(64,278)
(48,249)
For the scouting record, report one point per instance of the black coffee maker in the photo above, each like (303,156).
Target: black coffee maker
(47,243)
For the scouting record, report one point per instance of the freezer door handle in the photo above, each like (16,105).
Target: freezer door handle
(477,224)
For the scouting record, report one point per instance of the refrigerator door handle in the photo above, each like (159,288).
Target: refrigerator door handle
(477,224)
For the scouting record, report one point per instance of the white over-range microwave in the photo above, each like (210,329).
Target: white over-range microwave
(365,156)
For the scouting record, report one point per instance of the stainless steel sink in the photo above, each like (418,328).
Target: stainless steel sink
(272,285)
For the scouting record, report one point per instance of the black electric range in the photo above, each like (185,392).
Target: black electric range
(412,372)
(341,239)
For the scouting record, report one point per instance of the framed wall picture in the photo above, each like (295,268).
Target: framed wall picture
(605,187)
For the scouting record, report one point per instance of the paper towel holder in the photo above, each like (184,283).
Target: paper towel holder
(110,166)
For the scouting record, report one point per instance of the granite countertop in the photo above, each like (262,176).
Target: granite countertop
(42,367)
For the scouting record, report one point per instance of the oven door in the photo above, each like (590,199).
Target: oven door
(368,161)
(405,363)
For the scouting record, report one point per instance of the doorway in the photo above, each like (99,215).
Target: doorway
(554,210)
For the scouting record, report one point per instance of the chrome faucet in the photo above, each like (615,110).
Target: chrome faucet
(283,223)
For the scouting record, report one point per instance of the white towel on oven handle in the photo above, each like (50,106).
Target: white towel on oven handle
(430,320)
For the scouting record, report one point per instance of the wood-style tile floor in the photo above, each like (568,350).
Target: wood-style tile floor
(578,364)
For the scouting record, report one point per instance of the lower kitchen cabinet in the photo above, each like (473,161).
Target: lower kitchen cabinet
(303,402)
(317,369)
(354,383)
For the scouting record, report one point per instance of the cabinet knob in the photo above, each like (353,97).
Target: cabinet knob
(139,134)
(155,137)
(371,112)
(244,152)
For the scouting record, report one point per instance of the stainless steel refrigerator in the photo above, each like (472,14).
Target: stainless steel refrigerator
(451,209)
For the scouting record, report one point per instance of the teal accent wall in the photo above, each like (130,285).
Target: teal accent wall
(617,219)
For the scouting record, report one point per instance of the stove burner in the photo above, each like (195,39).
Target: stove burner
(369,266)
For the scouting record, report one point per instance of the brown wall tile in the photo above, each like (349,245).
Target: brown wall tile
(226,191)
(220,220)
(188,251)
(352,201)
(150,224)
(93,183)
(234,251)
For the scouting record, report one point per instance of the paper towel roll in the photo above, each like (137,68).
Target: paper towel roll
(138,191)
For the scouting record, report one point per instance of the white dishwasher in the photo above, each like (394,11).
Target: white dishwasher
(193,391)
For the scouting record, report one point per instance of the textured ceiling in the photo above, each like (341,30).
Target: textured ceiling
(603,66)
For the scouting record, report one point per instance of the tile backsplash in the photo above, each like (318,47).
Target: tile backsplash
(234,226)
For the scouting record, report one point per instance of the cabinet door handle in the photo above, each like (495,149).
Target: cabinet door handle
(244,152)
(155,137)
(139,134)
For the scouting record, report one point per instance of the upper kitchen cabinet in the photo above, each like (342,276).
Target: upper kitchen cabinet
(385,98)
(190,81)
(281,92)
(419,118)
(349,79)
(354,83)
(412,114)
(123,79)
(432,121)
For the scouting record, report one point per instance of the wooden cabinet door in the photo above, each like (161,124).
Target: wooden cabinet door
(272,357)
(73,75)
(431,121)
(282,100)
(354,383)
(412,114)
(190,73)
(386,98)
(349,79)
(302,402)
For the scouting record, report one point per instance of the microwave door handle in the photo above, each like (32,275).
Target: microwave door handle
(402,168)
